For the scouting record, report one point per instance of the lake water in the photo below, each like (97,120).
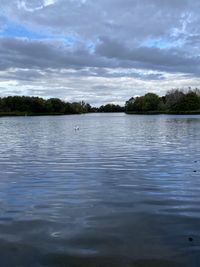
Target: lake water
(122,191)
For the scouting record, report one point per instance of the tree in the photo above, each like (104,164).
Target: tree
(173,99)
(150,102)
(190,101)
(55,105)
(129,105)
(37,105)
(111,108)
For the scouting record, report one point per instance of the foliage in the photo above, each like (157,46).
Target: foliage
(36,105)
(190,101)
(175,101)
(148,102)
(111,108)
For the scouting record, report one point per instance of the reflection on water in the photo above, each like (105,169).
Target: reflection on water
(121,191)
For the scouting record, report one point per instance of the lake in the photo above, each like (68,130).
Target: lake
(123,190)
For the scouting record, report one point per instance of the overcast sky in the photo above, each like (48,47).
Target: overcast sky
(98,50)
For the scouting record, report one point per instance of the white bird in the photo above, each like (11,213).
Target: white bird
(76,128)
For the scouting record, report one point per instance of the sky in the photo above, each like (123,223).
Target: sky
(98,51)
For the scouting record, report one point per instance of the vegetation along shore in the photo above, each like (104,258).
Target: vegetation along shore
(175,101)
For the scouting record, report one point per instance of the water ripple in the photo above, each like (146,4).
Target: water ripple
(122,191)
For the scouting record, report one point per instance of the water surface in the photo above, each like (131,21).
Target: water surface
(122,191)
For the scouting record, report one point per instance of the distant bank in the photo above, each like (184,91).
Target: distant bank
(194,112)
(36,106)
(176,101)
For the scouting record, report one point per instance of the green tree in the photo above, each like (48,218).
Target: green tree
(190,101)
(173,99)
(55,105)
(150,102)
(111,108)
(129,105)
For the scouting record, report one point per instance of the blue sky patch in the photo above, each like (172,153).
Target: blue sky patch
(161,43)
(15,30)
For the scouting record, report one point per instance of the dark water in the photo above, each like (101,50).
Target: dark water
(122,191)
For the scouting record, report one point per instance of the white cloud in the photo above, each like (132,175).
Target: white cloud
(104,50)
(49,2)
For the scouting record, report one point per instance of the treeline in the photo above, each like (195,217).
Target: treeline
(110,108)
(175,101)
(25,105)
(18,105)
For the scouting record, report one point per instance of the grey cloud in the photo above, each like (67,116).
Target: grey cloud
(130,19)
(23,53)
(118,47)
(149,57)
(21,75)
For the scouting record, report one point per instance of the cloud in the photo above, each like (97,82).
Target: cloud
(25,53)
(125,47)
(171,59)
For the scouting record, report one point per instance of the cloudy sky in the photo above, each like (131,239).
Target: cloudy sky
(98,50)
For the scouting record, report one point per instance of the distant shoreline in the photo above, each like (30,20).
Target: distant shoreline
(194,112)
(175,102)
(21,114)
